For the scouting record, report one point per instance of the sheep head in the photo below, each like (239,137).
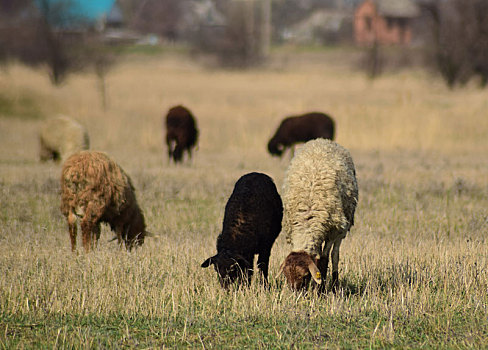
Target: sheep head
(135,231)
(299,268)
(275,148)
(229,267)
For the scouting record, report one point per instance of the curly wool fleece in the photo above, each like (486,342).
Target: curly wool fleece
(320,194)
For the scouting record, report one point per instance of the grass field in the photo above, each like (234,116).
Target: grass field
(413,270)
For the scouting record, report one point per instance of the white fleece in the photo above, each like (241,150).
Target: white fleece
(320,194)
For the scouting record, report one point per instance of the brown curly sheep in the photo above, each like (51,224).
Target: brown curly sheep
(96,189)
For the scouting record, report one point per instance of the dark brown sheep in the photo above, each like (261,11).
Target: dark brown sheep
(96,189)
(252,221)
(301,128)
(181,133)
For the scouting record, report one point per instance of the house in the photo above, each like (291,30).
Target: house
(74,14)
(203,24)
(384,22)
(75,18)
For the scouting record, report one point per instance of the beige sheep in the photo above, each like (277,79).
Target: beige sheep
(61,136)
(320,195)
(96,189)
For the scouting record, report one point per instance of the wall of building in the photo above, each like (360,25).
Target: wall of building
(370,26)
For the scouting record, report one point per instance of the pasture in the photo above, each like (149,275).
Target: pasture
(413,269)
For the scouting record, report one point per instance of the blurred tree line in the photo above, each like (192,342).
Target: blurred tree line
(456,43)
(37,34)
(459,39)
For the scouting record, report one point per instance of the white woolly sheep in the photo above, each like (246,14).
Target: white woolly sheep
(320,195)
(61,136)
(96,189)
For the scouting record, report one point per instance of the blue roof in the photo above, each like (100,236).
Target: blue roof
(69,12)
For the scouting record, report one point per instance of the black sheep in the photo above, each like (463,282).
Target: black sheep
(252,221)
(181,132)
(301,128)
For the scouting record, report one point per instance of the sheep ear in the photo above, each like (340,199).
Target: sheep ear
(314,271)
(209,261)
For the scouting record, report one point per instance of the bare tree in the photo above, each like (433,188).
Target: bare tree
(460,39)
(160,17)
(13,29)
(47,33)
(244,40)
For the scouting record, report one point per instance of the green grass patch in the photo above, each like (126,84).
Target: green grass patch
(370,329)
(24,106)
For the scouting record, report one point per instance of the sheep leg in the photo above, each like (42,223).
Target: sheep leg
(90,227)
(178,153)
(170,143)
(72,229)
(86,230)
(247,269)
(335,263)
(119,231)
(95,235)
(323,263)
(263,264)
(249,273)
(129,243)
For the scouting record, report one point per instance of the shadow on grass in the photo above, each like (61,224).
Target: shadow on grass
(347,288)
(388,278)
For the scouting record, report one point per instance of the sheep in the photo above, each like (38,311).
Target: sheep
(96,189)
(320,194)
(181,132)
(61,136)
(252,221)
(300,128)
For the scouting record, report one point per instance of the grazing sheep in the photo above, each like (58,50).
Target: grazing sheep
(96,189)
(320,195)
(252,221)
(301,128)
(181,132)
(61,136)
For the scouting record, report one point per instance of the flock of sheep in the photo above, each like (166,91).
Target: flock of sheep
(315,211)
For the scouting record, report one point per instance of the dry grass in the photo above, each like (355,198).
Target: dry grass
(413,270)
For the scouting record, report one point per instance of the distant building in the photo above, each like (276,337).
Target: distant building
(384,22)
(203,24)
(74,13)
